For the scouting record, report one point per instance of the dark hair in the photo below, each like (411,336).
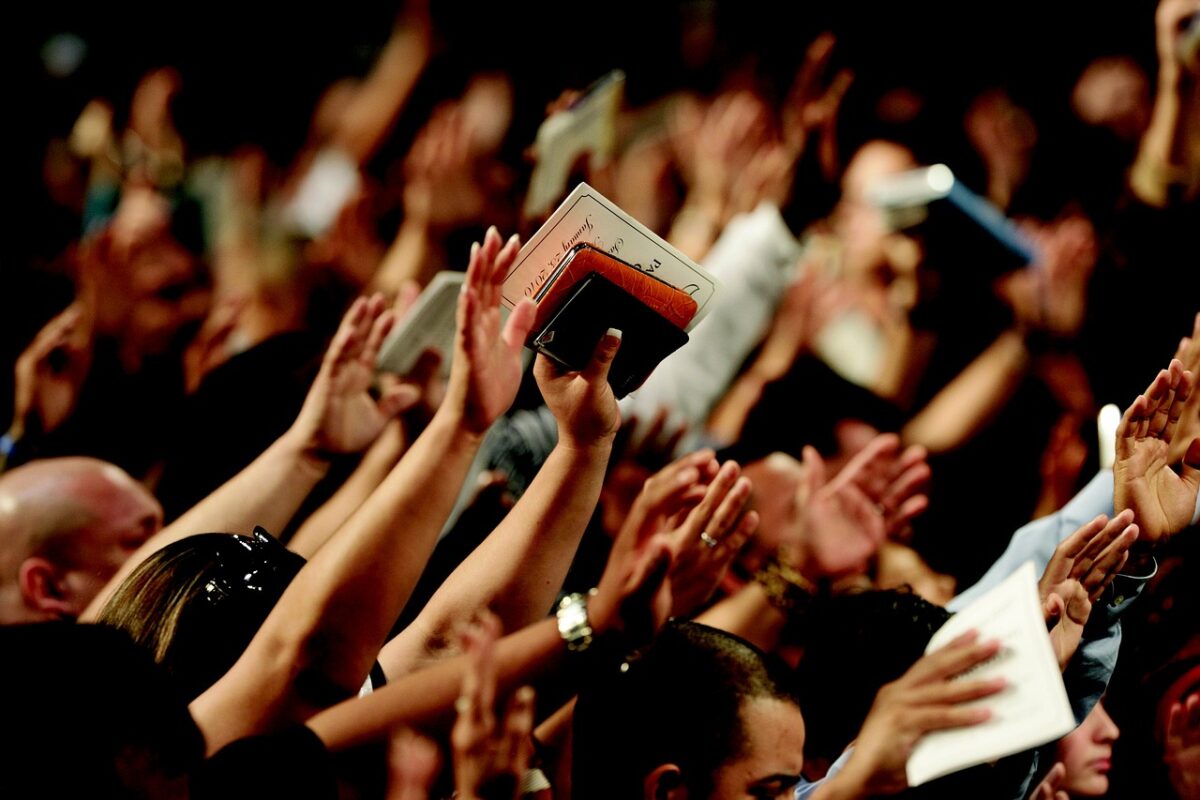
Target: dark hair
(679,702)
(197,603)
(89,715)
(853,645)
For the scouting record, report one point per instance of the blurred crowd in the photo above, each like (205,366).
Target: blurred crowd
(236,559)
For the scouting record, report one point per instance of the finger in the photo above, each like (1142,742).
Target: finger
(474,267)
(730,510)
(1192,707)
(698,520)
(1104,571)
(950,692)
(735,541)
(596,371)
(1053,609)
(907,484)
(940,718)
(341,344)
(1127,430)
(398,398)
(383,325)
(814,470)
(1162,404)
(406,298)
(1175,412)
(520,322)
(912,508)
(1074,545)
(655,429)
(513,749)
(1100,542)
(1155,395)
(1175,727)
(951,660)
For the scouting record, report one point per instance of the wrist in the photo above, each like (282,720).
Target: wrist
(586,446)
(309,458)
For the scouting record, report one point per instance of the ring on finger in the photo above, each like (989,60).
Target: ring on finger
(708,540)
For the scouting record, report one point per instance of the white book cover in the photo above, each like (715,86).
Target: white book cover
(429,324)
(588,217)
(1030,711)
(588,127)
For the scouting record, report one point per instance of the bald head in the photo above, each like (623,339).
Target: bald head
(66,526)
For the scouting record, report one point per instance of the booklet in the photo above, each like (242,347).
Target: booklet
(429,324)
(1032,710)
(934,195)
(588,127)
(588,217)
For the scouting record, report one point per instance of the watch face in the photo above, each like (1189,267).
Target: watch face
(573,617)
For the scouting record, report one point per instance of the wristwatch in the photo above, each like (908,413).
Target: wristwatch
(573,624)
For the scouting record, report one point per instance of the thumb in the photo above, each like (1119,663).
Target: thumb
(603,355)
(1053,609)
(400,397)
(1191,464)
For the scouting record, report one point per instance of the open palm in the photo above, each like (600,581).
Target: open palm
(1162,500)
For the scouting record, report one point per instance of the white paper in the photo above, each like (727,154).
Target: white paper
(1030,711)
(430,323)
(588,217)
(588,127)
(330,182)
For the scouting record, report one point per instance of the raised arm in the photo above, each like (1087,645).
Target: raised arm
(518,569)
(338,416)
(325,632)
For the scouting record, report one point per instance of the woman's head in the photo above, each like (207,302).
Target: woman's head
(196,604)
(1087,754)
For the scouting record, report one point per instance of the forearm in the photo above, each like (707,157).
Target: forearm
(410,258)
(973,398)
(426,697)
(334,616)
(267,492)
(519,568)
(1162,155)
(748,614)
(378,102)
(371,472)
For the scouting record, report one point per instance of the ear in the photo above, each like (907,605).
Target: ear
(43,588)
(664,783)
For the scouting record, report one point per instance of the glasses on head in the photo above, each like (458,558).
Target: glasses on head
(251,566)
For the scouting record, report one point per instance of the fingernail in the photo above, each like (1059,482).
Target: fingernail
(616,332)
(525,695)
(492,231)
(514,239)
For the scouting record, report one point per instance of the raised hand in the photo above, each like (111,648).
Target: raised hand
(486,371)
(1182,750)
(1049,789)
(51,371)
(1189,417)
(924,699)
(488,764)
(582,402)
(708,538)
(844,520)
(1092,555)
(339,414)
(1162,500)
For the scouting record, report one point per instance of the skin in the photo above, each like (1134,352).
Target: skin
(772,754)
(1087,754)
(69,524)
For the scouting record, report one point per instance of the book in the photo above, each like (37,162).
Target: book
(934,195)
(587,128)
(1030,711)
(588,217)
(429,324)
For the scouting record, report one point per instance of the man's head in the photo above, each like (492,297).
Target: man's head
(698,714)
(66,527)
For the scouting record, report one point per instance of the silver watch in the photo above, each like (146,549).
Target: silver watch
(573,624)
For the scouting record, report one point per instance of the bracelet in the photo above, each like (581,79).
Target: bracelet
(786,588)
